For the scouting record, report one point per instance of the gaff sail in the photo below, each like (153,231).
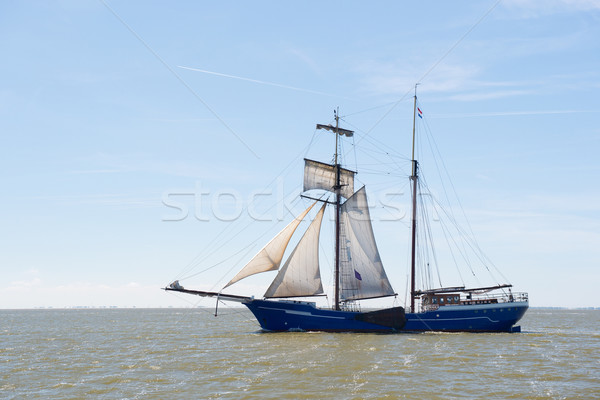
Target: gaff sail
(361,271)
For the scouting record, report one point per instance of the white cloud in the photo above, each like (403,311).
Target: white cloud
(489,95)
(25,284)
(399,77)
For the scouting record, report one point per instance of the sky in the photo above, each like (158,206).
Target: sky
(144,142)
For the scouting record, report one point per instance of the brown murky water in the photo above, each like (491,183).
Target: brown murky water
(190,354)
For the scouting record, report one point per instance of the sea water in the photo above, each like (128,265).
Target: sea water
(190,354)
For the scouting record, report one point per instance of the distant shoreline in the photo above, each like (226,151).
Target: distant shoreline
(200,307)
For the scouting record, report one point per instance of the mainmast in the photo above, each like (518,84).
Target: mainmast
(413,178)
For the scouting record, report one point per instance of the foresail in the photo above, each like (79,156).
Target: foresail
(318,175)
(269,257)
(361,272)
(300,275)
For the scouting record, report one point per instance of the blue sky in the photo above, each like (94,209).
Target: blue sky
(106,138)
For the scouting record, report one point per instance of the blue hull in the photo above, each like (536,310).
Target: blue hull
(500,317)
(302,316)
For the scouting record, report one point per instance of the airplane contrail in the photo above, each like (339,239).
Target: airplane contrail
(262,82)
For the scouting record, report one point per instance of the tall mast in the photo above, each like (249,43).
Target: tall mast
(337,188)
(413,178)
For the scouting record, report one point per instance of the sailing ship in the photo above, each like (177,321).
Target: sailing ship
(359,272)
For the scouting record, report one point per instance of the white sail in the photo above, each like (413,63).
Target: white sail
(361,272)
(318,175)
(300,275)
(269,257)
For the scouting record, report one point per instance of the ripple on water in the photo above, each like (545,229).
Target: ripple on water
(187,353)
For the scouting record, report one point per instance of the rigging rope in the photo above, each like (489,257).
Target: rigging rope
(213,246)
(457,238)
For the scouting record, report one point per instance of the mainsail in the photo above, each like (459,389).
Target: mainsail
(300,275)
(361,272)
(269,257)
(318,175)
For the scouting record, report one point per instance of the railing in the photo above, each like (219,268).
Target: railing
(496,298)
(521,296)
(350,306)
(474,299)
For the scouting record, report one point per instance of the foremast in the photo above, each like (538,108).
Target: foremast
(358,271)
(337,189)
(414,180)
